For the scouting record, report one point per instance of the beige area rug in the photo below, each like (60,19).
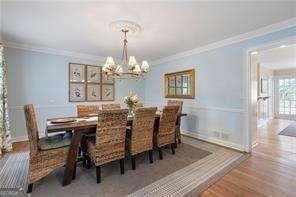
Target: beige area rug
(192,169)
(289,131)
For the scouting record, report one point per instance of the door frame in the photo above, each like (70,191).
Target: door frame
(247,54)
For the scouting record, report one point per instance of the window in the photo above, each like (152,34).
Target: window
(287,96)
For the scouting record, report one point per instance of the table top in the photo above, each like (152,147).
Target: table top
(80,123)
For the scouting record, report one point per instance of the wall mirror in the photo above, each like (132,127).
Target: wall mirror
(180,84)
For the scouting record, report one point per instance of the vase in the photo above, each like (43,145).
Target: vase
(130,110)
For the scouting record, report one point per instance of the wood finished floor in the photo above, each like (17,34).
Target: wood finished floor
(269,171)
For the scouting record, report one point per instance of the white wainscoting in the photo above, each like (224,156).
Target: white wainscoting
(43,112)
(224,126)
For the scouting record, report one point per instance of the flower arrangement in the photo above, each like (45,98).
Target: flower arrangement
(131,100)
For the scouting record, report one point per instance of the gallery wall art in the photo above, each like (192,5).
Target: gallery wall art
(88,83)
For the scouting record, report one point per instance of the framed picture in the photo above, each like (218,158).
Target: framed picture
(107,79)
(180,84)
(77,92)
(108,92)
(76,72)
(93,74)
(93,92)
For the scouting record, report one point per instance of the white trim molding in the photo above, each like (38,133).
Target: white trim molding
(249,35)
(204,107)
(47,50)
(200,136)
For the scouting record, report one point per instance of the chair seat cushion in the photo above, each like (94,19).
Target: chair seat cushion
(56,141)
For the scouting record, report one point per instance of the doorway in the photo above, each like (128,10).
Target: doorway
(272,88)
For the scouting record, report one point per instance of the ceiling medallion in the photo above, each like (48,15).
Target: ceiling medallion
(128,68)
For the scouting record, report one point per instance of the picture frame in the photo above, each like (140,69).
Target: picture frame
(180,84)
(77,92)
(76,72)
(108,92)
(93,92)
(93,74)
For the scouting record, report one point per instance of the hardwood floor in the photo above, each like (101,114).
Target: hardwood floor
(269,171)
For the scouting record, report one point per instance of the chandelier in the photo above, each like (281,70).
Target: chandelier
(128,68)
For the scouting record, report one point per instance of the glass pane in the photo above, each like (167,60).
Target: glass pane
(293,111)
(179,91)
(172,81)
(185,80)
(178,81)
(171,91)
(185,91)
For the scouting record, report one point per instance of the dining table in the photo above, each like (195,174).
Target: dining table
(79,126)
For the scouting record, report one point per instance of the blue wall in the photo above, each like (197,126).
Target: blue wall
(42,79)
(218,111)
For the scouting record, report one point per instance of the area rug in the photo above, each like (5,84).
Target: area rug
(195,166)
(13,174)
(289,131)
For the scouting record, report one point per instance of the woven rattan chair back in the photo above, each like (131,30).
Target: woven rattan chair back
(108,106)
(86,110)
(139,104)
(177,103)
(32,128)
(142,130)
(167,125)
(110,135)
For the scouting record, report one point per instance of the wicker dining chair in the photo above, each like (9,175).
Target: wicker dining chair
(178,122)
(109,144)
(83,111)
(141,134)
(108,106)
(86,110)
(46,154)
(166,130)
(139,104)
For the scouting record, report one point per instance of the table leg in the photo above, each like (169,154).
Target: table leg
(71,159)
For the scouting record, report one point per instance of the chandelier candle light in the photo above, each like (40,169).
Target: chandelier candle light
(128,68)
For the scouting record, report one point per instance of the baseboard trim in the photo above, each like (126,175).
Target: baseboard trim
(19,139)
(214,141)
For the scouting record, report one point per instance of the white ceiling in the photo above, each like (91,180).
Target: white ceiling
(168,28)
(279,57)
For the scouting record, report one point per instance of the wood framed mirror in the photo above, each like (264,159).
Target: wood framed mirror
(180,84)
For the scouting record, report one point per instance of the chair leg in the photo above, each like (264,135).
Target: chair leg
(179,140)
(133,162)
(74,172)
(98,172)
(173,148)
(88,162)
(121,166)
(84,159)
(160,153)
(150,156)
(30,188)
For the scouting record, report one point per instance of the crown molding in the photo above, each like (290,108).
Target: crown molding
(48,50)
(241,37)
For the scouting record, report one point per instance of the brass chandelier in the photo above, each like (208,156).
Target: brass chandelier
(128,68)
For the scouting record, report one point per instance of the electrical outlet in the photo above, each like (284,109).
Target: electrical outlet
(217,134)
(224,135)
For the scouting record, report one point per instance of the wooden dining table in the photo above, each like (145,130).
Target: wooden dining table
(79,126)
